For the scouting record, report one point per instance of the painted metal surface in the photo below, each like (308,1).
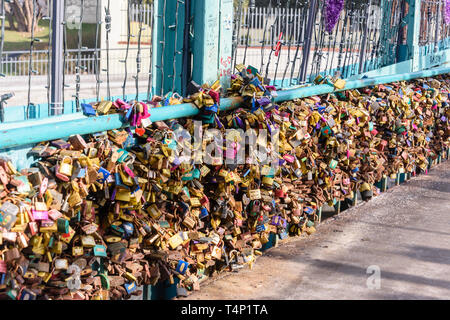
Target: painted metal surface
(57,67)
(226,40)
(168,44)
(413,33)
(206,41)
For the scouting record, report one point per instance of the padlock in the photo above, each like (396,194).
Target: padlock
(66,166)
(77,249)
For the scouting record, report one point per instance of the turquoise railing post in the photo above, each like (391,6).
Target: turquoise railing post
(168,37)
(225,44)
(205,42)
(413,19)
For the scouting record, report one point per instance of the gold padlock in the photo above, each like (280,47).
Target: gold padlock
(66,166)
(77,250)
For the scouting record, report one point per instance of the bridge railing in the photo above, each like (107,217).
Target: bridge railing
(371,38)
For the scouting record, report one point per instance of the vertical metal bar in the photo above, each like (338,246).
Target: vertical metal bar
(236,34)
(413,32)
(364,41)
(150,71)
(263,43)
(138,57)
(175,52)
(125,61)
(163,46)
(248,24)
(57,63)
(186,69)
(438,23)
(96,52)
(78,67)
(30,61)
(307,44)
(108,30)
(2,35)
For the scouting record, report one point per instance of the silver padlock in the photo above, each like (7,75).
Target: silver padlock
(8,215)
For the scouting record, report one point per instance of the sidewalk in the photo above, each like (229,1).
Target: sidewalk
(405,232)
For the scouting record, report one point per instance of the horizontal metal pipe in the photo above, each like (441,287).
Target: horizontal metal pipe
(28,132)
(354,84)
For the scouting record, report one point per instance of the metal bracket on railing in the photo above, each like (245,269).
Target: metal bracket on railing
(3,99)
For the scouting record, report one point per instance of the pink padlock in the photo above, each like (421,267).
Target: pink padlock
(43,187)
(3,267)
(54,214)
(128,171)
(39,215)
(289,158)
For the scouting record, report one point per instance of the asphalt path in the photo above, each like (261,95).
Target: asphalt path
(396,246)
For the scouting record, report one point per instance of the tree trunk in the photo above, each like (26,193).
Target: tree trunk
(23,13)
(9,16)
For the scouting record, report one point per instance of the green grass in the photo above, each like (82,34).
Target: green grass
(18,41)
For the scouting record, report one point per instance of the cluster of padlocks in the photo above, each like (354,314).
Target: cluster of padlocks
(100,215)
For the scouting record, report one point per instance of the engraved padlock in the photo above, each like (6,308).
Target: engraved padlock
(66,166)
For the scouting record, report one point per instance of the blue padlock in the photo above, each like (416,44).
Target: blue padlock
(260,228)
(103,175)
(130,287)
(213,109)
(128,228)
(27,295)
(88,110)
(182,267)
(203,213)
(283,235)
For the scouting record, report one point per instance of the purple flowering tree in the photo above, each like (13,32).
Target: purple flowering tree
(332,12)
(447,11)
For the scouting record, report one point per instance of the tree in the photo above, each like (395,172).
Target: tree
(20,14)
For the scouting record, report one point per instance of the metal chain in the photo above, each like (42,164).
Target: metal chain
(96,52)
(163,43)
(283,32)
(236,33)
(252,7)
(272,49)
(2,36)
(64,55)
(289,39)
(30,62)
(138,57)
(175,52)
(125,61)
(3,98)
(108,30)
(263,42)
(300,41)
(78,65)
(350,39)
(341,44)
(312,14)
(319,38)
(150,71)
(49,45)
